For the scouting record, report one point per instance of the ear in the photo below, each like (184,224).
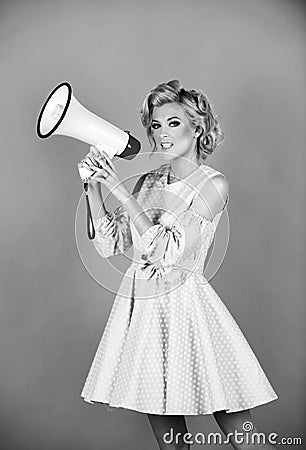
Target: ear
(198,131)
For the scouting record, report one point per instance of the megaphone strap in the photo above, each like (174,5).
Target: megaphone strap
(90,225)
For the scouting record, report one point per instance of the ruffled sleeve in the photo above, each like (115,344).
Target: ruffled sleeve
(113,233)
(164,246)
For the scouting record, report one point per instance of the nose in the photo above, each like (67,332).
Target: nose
(163,135)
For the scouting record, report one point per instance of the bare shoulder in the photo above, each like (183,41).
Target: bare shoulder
(213,196)
(221,183)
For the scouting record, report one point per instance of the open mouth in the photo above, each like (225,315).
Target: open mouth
(166,145)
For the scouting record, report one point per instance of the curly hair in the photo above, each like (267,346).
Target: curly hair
(197,109)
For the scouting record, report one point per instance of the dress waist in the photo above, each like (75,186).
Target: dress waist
(166,273)
(151,281)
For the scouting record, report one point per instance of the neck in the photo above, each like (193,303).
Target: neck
(182,167)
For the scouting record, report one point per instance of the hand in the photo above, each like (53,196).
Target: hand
(105,172)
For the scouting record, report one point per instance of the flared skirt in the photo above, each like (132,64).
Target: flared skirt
(178,354)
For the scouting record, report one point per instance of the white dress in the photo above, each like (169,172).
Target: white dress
(170,345)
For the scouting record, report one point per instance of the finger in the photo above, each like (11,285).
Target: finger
(94,162)
(94,153)
(101,174)
(97,152)
(109,227)
(86,164)
(108,232)
(110,162)
(86,157)
(97,155)
(94,150)
(101,154)
(101,161)
(93,171)
(105,166)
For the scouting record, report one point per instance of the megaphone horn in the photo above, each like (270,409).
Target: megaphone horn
(63,114)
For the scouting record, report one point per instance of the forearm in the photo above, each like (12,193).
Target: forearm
(96,201)
(136,213)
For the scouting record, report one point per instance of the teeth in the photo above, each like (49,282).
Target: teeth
(166,146)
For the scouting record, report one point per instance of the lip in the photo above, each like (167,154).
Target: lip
(166,143)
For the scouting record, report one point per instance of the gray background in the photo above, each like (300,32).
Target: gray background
(248,57)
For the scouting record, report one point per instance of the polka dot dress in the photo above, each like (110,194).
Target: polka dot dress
(170,345)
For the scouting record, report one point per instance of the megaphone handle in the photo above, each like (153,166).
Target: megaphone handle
(90,226)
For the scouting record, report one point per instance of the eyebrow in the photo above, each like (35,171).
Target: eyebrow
(173,117)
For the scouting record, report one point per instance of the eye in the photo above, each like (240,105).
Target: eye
(174,123)
(154,126)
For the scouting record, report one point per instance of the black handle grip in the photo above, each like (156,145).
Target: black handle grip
(90,225)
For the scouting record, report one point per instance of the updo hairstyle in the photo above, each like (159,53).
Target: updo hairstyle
(197,109)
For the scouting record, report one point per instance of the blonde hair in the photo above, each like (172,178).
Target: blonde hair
(197,109)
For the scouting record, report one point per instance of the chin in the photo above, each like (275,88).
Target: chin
(167,156)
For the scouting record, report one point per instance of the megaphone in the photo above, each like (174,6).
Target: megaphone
(62,114)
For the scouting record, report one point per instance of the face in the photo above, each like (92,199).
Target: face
(172,132)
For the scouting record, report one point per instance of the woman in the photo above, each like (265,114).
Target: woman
(170,347)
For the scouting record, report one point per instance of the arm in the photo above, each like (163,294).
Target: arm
(164,247)
(216,198)
(160,245)
(106,173)
(113,233)
(96,200)
(213,197)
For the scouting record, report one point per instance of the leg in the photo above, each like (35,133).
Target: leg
(173,427)
(229,422)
